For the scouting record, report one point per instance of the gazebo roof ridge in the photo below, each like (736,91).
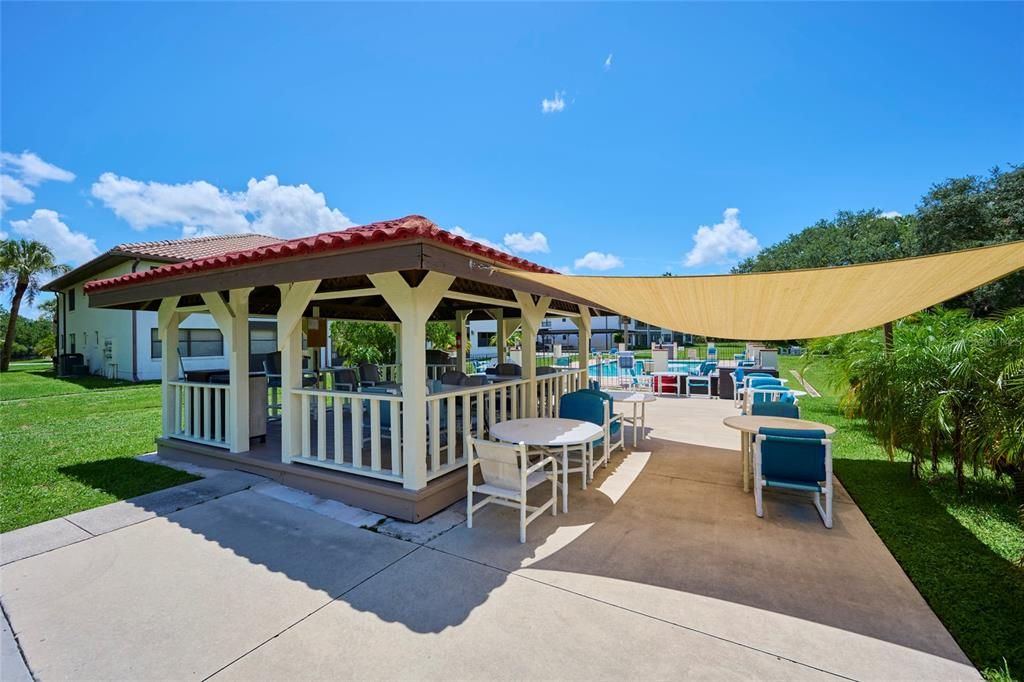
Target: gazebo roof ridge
(407,228)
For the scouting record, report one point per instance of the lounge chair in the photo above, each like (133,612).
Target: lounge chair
(794,459)
(507,478)
(702,379)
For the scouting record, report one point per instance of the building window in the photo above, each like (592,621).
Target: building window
(485,339)
(72,346)
(71,299)
(262,337)
(97,338)
(192,343)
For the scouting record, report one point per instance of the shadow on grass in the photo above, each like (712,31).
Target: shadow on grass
(89,381)
(125,477)
(975,592)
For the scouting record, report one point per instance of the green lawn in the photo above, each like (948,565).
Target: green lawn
(960,551)
(68,445)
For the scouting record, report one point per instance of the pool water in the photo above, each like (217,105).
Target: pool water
(610,368)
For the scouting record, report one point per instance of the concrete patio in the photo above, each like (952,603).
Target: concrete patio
(660,570)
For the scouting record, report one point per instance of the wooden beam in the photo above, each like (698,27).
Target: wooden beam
(294,299)
(166,314)
(349,293)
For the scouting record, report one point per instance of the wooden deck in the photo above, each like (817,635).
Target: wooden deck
(381,496)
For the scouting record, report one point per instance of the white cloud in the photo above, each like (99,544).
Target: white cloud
(890,214)
(46,226)
(723,242)
(33,170)
(527,243)
(564,269)
(25,170)
(550,106)
(595,260)
(465,234)
(608,62)
(265,206)
(14,191)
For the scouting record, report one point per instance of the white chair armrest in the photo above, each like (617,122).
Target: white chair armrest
(540,464)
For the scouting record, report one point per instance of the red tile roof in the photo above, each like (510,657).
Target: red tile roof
(402,229)
(196,247)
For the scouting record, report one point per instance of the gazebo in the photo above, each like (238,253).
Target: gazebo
(399,451)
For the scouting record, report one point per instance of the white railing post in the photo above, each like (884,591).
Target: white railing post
(168,321)
(583,327)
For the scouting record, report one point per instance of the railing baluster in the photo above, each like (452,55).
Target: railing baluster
(219,405)
(375,435)
(357,432)
(451,430)
(435,434)
(196,411)
(467,422)
(305,417)
(338,403)
(321,428)
(480,424)
(396,436)
(207,409)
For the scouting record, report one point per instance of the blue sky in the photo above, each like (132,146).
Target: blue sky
(754,120)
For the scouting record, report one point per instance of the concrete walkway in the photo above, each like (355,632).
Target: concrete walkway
(659,571)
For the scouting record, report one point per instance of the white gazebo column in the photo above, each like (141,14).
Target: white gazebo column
(168,321)
(294,299)
(583,324)
(533,313)
(461,338)
(413,306)
(232,318)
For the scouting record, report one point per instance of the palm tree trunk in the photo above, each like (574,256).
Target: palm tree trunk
(19,292)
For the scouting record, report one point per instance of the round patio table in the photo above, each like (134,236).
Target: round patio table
(549,432)
(639,401)
(748,424)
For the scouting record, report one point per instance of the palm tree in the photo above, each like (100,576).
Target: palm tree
(23,263)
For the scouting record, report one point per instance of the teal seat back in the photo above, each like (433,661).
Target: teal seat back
(738,375)
(603,396)
(793,455)
(762,382)
(583,405)
(775,409)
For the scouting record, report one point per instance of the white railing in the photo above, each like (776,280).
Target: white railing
(359,433)
(551,387)
(454,416)
(199,413)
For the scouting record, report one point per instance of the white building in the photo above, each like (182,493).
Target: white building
(123,344)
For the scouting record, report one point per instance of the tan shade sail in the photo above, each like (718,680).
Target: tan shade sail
(797,304)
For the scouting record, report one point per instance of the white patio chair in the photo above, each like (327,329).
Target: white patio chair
(508,476)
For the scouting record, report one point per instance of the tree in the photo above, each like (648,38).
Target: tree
(851,237)
(357,342)
(440,335)
(968,212)
(22,265)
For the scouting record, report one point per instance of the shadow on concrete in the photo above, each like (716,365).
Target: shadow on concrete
(673,518)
